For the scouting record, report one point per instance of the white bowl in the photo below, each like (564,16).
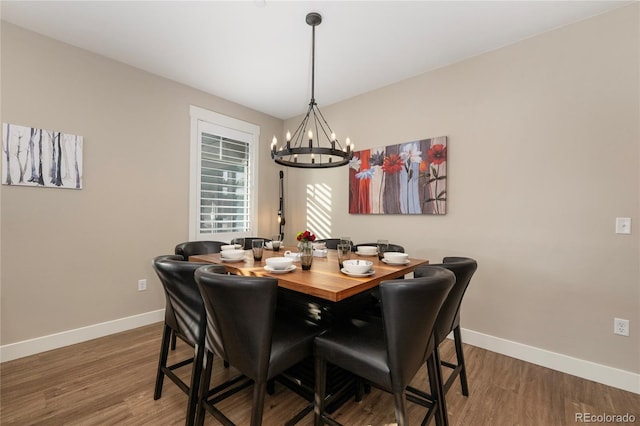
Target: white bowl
(355,266)
(396,257)
(367,250)
(319,246)
(279,263)
(228,247)
(232,254)
(269,245)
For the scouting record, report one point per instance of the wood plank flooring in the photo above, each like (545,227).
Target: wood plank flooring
(109,381)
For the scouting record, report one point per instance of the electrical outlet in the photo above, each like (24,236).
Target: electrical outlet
(623,225)
(621,326)
(142,284)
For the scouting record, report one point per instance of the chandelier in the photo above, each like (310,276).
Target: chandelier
(313,144)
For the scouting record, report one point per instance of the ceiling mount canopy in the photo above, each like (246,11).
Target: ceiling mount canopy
(313,144)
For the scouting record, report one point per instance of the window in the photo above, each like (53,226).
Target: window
(223,169)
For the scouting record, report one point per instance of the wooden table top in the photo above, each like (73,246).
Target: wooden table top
(324,280)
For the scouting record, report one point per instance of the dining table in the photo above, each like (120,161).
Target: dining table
(324,295)
(324,280)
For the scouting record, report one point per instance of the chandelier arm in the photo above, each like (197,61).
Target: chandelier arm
(299,133)
(328,127)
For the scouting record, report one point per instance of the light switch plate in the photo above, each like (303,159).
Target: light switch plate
(623,225)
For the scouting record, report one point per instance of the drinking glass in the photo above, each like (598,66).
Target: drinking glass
(344,253)
(346,240)
(275,242)
(383,245)
(257,246)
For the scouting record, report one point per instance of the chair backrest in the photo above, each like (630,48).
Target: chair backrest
(449,317)
(184,310)
(240,318)
(191,248)
(409,311)
(392,247)
(248,240)
(331,243)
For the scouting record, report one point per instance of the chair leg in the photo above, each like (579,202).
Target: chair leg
(320,390)
(399,405)
(205,379)
(196,373)
(259,391)
(457,337)
(359,384)
(435,385)
(162,363)
(173,341)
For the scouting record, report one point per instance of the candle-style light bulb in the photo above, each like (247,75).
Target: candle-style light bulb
(310,134)
(333,137)
(274,141)
(288,136)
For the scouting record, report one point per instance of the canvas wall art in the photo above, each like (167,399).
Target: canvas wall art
(39,157)
(407,178)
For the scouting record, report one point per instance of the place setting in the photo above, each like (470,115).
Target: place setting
(367,251)
(357,268)
(395,258)
(279,265)
(232,254)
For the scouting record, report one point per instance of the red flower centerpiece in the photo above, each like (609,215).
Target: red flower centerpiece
(306,239)
(305,236)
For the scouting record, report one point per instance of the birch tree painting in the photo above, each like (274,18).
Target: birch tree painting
(39,157)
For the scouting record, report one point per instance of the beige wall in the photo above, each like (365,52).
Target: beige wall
(72,258)
(543,156)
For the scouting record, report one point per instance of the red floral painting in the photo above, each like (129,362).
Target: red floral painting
(407,178)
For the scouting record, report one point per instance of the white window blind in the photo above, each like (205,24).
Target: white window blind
(223,170)
(225,198)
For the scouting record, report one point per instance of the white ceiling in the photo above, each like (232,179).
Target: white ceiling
(258,53)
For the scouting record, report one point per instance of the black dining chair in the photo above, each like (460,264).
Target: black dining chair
(449,317)
(191,248)
(242,327)
(389,353)
(391,247)
(248,241)
(331,243)
(185,317)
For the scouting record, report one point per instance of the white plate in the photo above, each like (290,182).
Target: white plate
(388,262)
(366,254)
(279,271)
(242,259)
(351,274)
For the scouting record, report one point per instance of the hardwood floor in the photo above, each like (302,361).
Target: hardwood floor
(110,381)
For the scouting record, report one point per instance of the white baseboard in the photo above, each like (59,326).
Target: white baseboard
(70,337)
(609,376)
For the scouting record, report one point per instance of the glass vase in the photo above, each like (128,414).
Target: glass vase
(306,255)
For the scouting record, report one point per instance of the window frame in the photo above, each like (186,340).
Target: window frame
(203,120)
